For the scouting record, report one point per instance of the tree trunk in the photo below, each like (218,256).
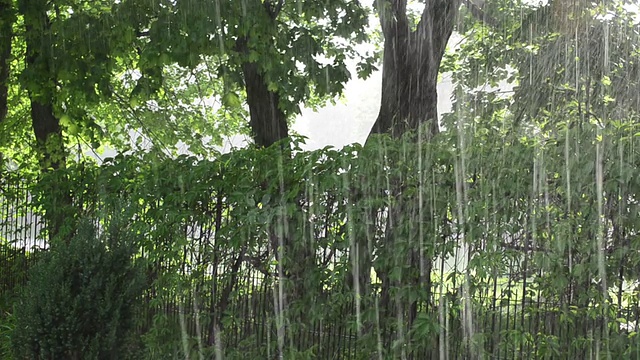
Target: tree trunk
(7,18)
(48,132)
(268,122)
(410,65)
(46,126)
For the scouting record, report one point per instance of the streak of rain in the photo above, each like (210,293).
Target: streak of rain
(504,236)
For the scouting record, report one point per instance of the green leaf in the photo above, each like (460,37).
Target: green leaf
(231,100)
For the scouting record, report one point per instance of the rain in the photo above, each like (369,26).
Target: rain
(335,179)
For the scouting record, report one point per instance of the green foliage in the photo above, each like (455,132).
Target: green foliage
(6,328)
(81,297)
(199,219)
(14,267)
(171,71)
(591,73)
(220,236)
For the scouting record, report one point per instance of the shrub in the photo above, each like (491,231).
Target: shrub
(6,327)
(79,301)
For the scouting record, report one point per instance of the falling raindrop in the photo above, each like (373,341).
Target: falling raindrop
(461,202)
(220,30)
(600,142)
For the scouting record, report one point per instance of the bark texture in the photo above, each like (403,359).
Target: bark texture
(410,64)
(46,126)
(268,122)
(40,87)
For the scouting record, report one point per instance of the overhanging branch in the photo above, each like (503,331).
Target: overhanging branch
(273,8)
(475,8)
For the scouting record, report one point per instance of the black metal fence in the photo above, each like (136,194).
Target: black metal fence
(20,227)
(510,318)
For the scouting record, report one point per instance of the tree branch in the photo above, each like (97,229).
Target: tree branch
(273,10)
(393,15)
(435,28)
(476,11)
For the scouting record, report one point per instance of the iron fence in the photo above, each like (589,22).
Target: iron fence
(512,321)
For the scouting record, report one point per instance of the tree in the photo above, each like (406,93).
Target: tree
(79,58)
(574,68)
(413,51)
(269,54)
(45,123)
(411,63)
(265,52)
(409,90)
(82,59)
(268,121)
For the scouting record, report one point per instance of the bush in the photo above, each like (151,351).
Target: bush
(6,327)
(79,301)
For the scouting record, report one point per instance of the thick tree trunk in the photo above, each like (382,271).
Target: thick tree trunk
(268,122)
(46,126)
(48,132)
(7,18)
(410,65)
